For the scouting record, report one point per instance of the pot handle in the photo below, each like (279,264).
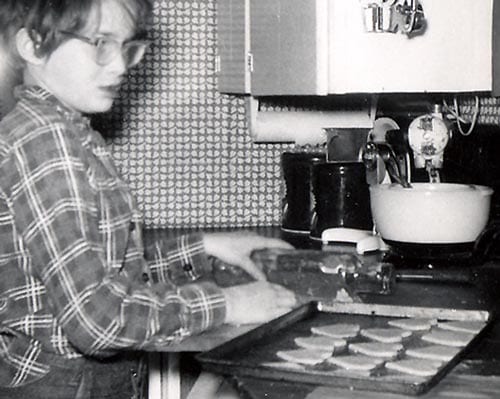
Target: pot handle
(485,241)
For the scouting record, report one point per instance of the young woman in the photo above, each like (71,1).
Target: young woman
(79,301)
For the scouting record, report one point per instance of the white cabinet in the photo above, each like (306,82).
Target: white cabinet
(318,47)
(453,54)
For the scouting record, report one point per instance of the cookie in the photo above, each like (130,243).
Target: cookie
(448,337)
(433,352)
(376,349)
(356,362)
(387,335)
(471,326)
(418,367)
(339,330)
(303,356)
(413,324)
(321,342)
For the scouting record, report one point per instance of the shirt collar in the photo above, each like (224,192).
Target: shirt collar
(41,95)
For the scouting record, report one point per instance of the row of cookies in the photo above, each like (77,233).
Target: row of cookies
(385,345)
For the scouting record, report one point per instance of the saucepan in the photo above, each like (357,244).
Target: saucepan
(438,217)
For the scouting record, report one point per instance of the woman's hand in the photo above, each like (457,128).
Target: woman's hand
(257,302)
(236,248)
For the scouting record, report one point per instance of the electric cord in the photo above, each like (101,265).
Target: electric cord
(455,114)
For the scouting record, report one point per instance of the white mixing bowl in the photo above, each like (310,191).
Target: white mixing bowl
(433,213)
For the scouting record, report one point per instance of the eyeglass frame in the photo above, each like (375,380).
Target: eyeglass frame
(95,43)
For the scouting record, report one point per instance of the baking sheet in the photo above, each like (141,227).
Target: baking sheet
(252,353)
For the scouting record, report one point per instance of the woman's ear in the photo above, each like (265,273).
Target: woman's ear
(27,48)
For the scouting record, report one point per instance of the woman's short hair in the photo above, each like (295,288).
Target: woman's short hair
(45,19)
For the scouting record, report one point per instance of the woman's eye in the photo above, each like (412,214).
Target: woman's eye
(100,42)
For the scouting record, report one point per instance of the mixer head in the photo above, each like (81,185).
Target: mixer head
(428,136)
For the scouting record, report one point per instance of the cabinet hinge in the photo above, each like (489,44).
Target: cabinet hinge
(250,62)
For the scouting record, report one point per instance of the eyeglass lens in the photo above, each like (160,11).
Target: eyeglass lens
(107,48)
(132,52)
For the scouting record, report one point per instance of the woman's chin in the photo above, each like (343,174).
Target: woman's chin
(97,107)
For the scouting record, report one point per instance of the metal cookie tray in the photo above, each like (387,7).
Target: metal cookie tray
(254,353)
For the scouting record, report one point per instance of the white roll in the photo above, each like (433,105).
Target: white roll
(302,127)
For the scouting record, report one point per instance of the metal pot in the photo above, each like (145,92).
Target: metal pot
(430,213)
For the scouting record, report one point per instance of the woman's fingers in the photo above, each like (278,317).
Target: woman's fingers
(251,268)
(257,302)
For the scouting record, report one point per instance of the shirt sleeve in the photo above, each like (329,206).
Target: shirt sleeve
(98,306)
(178,260)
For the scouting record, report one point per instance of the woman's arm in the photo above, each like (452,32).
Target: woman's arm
(62,218)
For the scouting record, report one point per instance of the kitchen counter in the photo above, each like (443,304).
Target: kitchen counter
(478,376)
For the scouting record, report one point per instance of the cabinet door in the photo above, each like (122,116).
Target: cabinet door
(319,47)
(233,43)
(454,54)
(289,44)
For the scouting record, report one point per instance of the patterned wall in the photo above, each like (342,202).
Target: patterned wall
(486,108)
(184,147)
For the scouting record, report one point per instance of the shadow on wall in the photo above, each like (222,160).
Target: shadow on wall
(9,78)
(109,124)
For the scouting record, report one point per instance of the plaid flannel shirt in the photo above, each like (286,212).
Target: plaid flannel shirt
(74,279)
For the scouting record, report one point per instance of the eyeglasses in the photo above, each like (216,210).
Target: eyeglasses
(106,48)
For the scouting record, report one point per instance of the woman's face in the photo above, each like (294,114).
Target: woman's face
(71,72)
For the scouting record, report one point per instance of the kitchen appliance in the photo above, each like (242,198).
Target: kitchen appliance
(342,198)
(328,191)
(429,222)
(298,204)
(449,217)
(342,212)
(428,136)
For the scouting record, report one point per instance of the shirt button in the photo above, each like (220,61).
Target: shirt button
(187,267)
(145,277)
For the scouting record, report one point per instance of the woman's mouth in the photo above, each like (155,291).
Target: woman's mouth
(112,90)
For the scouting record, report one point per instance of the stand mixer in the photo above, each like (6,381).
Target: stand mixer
(430,220)
(428,136)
